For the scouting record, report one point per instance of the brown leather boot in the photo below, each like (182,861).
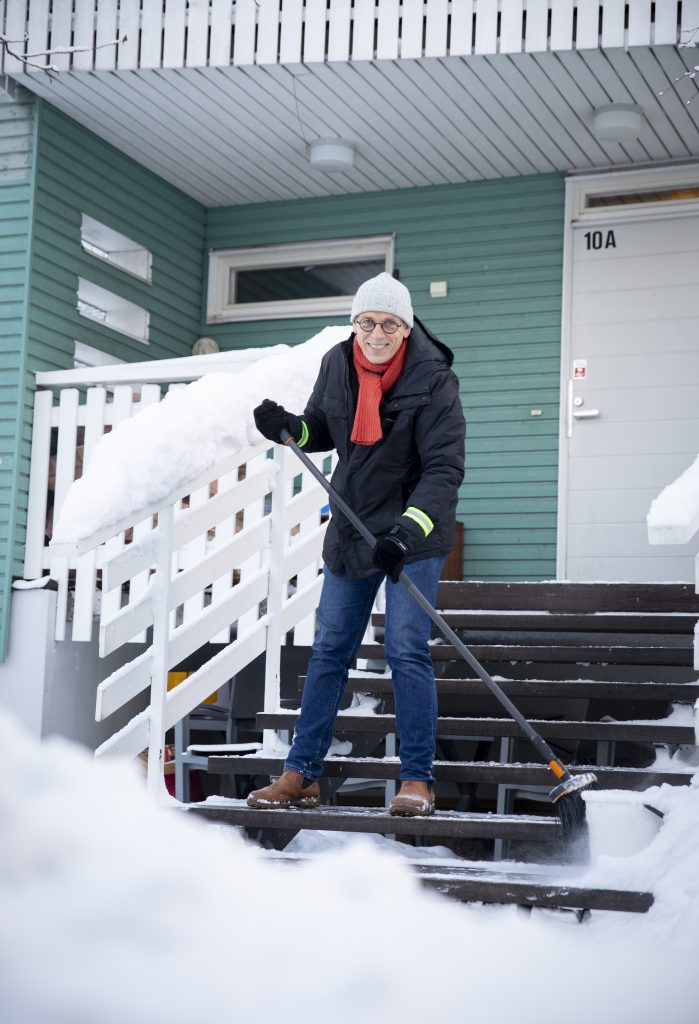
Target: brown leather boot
(290,790)
(414,799)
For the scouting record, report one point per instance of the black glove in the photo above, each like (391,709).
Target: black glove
(391,551)
(271,419)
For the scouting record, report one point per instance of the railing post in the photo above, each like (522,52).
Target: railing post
(160,598)
(275,592)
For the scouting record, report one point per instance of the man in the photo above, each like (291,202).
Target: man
(388,401)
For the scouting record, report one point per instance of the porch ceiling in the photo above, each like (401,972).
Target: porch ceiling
(232,135)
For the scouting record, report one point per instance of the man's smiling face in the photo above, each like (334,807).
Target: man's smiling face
(378,345)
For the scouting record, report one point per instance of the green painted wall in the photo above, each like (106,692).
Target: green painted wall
(499,245)
(75,172)
(17,128)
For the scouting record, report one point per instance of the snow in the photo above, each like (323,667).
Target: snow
(673,516)
(114,910)
(186,433)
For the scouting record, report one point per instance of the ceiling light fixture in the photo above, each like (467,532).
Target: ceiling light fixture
(618,122)
(332,155)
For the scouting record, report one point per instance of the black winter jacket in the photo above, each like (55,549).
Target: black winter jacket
(419,461)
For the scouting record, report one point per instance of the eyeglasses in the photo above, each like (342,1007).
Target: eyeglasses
(387,326)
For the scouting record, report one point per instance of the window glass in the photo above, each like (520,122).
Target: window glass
(304,282)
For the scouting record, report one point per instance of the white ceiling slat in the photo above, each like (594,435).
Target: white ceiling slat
(536,38)
(383,138)
(244,32)
(151,34)
(486,28)
(363,30)
(107,32)
(690,20)
(639,23)
(565,102)
(461,28)
(291,33)
(587,34)
(436,29)
(562,25)
(685,117)
(129,27)
(613,15)
(387,34)
(268,32)
(83,34)
(666,19)
(522,129)
(339,30)
(511,17)
(196,55)
(61,30)
(653,134)
(221,32)
(433,116)
(314,34)
(411,29)
(667,112)
(37,29)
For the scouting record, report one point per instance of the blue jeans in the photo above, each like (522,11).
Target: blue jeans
(343,613)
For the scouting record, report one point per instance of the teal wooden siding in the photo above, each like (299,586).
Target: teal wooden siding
(499,245)
(79,173)
(16,192)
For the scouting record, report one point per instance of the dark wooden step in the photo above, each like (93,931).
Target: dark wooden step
(636,732)
(486,772)
(370,819)
(583,654)
(470,884)
(564,596)
(544,622)
(565,688)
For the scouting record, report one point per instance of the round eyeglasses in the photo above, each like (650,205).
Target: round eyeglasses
(387,326)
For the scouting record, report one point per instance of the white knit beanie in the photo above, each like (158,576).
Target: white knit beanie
(383,294)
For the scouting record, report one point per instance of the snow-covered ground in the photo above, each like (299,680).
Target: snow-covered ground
(114,911)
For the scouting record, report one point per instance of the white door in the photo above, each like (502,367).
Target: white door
(631,394)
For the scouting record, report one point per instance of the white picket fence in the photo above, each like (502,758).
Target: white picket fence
(201,33)
(231,558)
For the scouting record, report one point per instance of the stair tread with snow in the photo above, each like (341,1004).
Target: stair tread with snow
(451,771)
(651,731)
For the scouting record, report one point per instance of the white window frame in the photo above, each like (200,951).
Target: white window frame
(110,246)
(112,311)
(335,250)
(582,186)
(87,356)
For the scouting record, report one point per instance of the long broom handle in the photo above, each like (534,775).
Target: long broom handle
(539,744)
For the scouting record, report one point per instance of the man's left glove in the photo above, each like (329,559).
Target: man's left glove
(391,551)
(271,419)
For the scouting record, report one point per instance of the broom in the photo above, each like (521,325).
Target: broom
(566,796)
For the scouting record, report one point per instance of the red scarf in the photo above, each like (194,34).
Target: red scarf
(375,379)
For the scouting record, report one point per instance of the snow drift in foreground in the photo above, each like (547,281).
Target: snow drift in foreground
(164,445)
(113,911)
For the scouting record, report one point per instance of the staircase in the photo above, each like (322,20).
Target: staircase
(604,671)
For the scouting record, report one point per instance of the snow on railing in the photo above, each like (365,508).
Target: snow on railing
(231,557)
(102,35)
(673,518)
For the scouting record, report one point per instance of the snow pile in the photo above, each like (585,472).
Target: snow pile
(167,444)
(112,910)
(673,516)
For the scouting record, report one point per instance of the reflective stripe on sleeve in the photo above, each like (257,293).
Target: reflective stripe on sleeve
(421,518)
(304,434)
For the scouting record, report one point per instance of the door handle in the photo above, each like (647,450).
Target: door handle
(586,414)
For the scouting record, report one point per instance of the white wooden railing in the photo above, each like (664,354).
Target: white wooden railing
(201,33)
(229,558)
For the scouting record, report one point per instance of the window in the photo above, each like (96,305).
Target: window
(106,308)
(269,282)
(118,250)
(86,356)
